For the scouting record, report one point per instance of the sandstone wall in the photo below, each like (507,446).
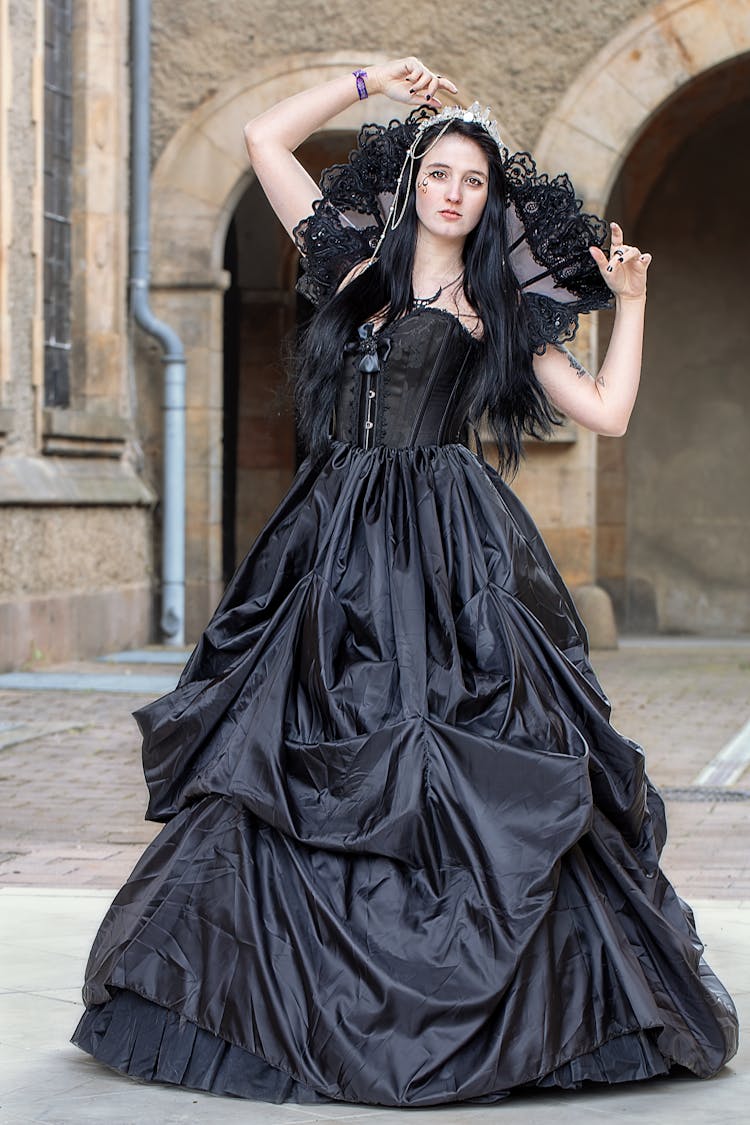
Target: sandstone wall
(74,582)
(76,536)
(517,57)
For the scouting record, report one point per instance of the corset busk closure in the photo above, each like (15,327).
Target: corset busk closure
(401,387)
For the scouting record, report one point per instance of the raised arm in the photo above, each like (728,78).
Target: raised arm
(272,137)
(604,402)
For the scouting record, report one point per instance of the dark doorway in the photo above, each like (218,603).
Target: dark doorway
(262,313)
(674,495)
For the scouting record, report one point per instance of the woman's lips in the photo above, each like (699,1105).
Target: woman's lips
(450,214)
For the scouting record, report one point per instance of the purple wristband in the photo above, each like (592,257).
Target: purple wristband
(360,76)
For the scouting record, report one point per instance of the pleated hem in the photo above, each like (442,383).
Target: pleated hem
(150,1043)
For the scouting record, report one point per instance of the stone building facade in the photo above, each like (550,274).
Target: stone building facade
(76,516)
(645,105)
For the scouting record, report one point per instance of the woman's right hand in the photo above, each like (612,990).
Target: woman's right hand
(273,136)
(408,80)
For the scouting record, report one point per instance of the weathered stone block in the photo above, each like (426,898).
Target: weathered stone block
(73,625)
(572,551)
(595,608)
(611,547)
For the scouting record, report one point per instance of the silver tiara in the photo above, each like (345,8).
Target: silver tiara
(474,115)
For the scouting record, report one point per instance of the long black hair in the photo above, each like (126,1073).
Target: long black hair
(502,385)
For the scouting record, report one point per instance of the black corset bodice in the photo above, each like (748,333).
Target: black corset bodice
(404,385)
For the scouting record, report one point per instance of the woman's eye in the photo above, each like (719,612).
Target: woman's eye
(439,174)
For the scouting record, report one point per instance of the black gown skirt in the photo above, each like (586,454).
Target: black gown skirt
(407,859)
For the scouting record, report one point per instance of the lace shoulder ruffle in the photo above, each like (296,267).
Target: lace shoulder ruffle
(549,240)
(330,247)
(548,233)
(347,222)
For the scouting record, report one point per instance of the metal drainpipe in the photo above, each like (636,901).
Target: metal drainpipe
(173,492)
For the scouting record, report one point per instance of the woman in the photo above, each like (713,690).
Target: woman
(408,861)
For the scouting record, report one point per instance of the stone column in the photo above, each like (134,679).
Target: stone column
(558,485)
(101,106)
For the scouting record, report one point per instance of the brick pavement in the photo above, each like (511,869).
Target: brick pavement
(73,800)
(683,704)
(73,795)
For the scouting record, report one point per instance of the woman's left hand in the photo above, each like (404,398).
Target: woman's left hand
(626,268)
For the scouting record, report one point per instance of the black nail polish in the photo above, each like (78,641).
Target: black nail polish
(609,269)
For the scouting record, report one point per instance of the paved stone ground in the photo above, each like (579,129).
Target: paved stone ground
(683,703)
(73,796)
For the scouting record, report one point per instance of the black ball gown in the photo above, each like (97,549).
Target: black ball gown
(407,860)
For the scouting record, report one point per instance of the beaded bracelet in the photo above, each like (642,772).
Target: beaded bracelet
(360,76)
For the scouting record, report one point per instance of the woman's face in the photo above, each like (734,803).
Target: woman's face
(451,186)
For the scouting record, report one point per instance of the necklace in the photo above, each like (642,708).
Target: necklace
(421,302)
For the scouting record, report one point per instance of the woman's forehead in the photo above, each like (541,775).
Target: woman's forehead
(456,150)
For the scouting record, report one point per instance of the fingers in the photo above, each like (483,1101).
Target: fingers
(424,84)
(620,252)
(421,85)
(446,84)
(625,262)
(625,254)
(414,74)
(430,92)
(413,67)
(599,257)
(630,254)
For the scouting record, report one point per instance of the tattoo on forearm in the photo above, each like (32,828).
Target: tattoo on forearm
(578,366)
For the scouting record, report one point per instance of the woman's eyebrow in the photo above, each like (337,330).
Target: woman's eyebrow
(469,171)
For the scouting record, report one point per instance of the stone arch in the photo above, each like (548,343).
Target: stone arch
(604,111)
(602,117)
(196,184)
(203,170)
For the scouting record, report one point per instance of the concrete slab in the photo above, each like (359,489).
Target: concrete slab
(11,734)
(730,763)
(154,655)
(45,935)
(82,681)
(682,641)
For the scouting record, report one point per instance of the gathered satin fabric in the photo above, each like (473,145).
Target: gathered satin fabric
(407,859)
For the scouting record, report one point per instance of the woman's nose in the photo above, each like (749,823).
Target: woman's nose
(453,190)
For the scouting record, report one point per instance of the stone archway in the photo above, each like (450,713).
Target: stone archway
(603,112)
(196,184)
(601,118)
